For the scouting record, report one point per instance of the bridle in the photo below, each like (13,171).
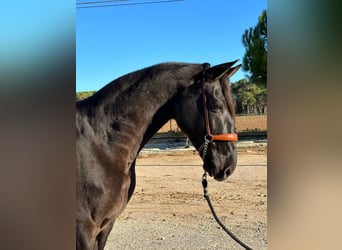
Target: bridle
(209,137)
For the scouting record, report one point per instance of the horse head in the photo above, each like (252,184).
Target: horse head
(205,112)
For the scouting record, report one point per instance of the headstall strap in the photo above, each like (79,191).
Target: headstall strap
(205,109)
(207,137)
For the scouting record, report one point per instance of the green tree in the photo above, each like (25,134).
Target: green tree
(261,101)
(249,97)
(255,58)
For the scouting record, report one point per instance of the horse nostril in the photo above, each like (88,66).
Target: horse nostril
(227,172)
(223,174)
(220,176)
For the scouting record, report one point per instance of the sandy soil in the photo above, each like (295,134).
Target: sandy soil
(168,211)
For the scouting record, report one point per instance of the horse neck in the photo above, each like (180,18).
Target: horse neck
(142,116)
(164,114)
(125,117)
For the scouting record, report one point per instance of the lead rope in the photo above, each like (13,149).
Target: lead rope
(206,196)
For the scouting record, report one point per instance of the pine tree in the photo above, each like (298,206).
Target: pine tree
(255,58)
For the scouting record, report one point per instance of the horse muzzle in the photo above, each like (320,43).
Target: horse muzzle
(220,169)
(224,174)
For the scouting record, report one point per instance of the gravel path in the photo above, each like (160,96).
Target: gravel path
(168,211)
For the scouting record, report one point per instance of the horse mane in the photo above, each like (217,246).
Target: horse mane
(225,84)
(126,82)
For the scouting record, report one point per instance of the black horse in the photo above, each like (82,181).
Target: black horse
(114,124)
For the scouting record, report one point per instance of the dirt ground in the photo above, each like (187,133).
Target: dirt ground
(168,211)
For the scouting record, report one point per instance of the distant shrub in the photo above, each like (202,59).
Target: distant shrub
(84,94)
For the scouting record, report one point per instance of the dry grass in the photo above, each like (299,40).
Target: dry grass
(243,123)
(251,123)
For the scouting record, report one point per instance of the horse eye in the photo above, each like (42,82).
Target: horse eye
(218,107)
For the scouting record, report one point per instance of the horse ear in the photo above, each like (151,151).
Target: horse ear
(232,71)
(218,71)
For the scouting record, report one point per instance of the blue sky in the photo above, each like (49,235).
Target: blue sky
(113,41)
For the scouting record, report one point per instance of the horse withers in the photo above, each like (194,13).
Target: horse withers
(114,124)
